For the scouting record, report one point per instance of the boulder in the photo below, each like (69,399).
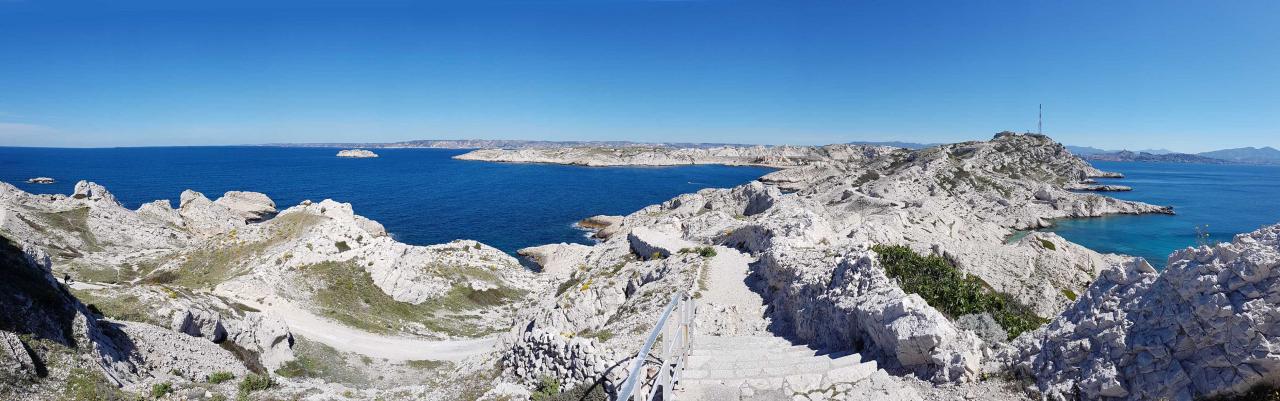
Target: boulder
(252,206)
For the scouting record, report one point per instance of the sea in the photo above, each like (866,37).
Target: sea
(421,196)
(1212,203)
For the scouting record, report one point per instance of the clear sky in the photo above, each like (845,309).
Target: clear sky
(1188,76)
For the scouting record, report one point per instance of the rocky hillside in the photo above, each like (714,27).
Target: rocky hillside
(234,280)
(768,156)
(1202,328)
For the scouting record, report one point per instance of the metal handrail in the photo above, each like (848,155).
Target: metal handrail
(674,353)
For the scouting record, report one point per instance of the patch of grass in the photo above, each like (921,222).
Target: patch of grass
(1048,244)
(1069,294)
(347,293)
(703,251)
(75,221)
(426,364)
(87,384)
(219,377)
(126,307)
(601,335)
(953,292)
(254,382)
(342,246)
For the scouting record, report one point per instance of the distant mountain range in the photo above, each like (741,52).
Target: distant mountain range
(1247,155)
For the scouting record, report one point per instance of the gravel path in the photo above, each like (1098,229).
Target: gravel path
(347,339)
(729,306)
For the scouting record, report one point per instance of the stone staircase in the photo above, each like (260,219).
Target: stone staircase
(764,367)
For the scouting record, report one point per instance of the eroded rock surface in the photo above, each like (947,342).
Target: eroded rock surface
(1204,327)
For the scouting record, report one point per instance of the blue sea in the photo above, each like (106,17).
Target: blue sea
(1220,200)
(422,196)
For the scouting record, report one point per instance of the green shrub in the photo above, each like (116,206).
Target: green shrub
(548,388)
(703,251)
(656,255)
(161,389)
(254,382)
(219,377)
(342,246)
(953,292)
(1048,245)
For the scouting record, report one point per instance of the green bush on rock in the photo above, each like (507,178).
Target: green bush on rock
(953,292)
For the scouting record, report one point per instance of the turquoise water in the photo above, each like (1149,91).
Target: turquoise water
(422,196)
(1224,200)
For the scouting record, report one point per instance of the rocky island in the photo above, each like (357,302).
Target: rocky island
(356,153)
(40,180)
(853,272)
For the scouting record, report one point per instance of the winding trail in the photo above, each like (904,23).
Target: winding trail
(347,339)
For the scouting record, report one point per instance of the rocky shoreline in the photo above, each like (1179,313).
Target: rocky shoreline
(794,259)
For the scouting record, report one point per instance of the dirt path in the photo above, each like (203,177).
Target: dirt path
(347,339)
(729,306)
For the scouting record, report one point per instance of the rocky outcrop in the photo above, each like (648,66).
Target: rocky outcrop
(1204,327)
(651,243)
(556,259)
(356,153)
(602,227)
(40,180)
(252,206)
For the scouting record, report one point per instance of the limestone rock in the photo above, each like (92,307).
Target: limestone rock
(252,206)
(1202,328)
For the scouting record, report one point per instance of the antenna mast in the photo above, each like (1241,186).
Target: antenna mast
(1040,120)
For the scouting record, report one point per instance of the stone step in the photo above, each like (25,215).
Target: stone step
(752,353)
(765,368)
(706,342)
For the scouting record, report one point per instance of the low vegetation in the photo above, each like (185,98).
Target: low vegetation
(254,382)
(703,251)
(220,377)
(953,292)
(1048,244)
(345,292)
(161,389)
(87,384)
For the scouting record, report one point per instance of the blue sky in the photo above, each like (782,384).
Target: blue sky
(1188,76)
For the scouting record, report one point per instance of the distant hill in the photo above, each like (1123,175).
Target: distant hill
(896,144)
(1085,150)
(1127,156)
(1251,155)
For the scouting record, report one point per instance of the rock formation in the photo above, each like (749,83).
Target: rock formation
(768,156)
(356,153)
(1204,327)
(40,180)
